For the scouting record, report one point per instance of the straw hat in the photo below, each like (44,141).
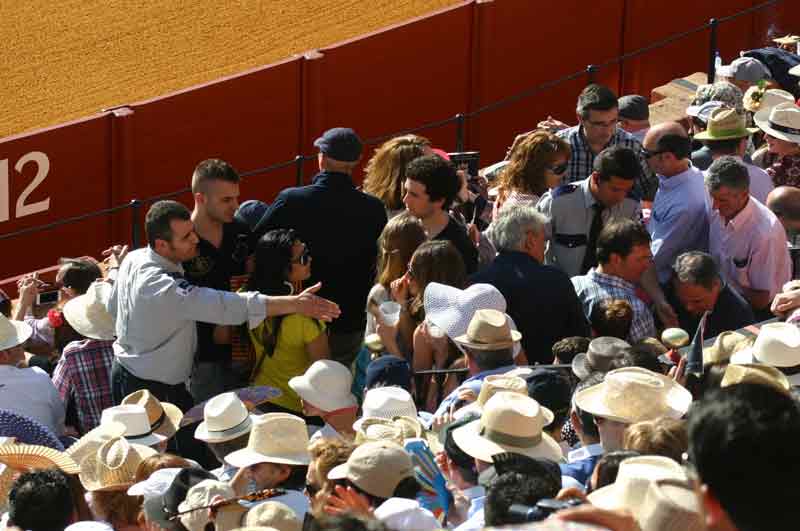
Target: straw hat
(795,71)
(226,418)
(788,39)
(496,383)
(200,495)
(31,457)
(726,124)
(759,98)
(376,468)
(13,333)
(670,504)
(165,418)
(87,313)
(777,344)
(722,349)
(325,385)
(511,422)
(633,481)
(782,121)
(274,438)
(387,403)
(251,397)
(602,351)
(136,422)
(113,466)
(92,440)
(489,330)
(634,394)
(377,429)
(273,514)
(754,373)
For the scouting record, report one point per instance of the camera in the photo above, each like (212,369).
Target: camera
(543,509)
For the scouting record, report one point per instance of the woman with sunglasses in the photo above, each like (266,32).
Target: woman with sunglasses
(284,347)
(537,164)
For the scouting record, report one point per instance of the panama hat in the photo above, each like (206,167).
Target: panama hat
(136,422)
(602,351)
(634,478)
(31,456)
(274,438)
(87,313)
(634,394)
(497,383)
(777,345)
(488,330)
(724,346)
(782,121)
(510,422)
(113,466)
(251,397)
(755,373)
(726,124)
(13,333)
(387,403)
(759,98)
(93,439)
(164,418)
(376,467)
(669,504)
(325,385)
(226,418)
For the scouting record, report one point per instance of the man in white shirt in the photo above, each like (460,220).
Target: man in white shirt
(746,239)
(28,391)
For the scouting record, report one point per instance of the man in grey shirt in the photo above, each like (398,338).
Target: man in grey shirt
(156,309)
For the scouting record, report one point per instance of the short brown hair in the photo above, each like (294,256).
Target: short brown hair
(212,170)
(620,237)
(612,317)
(665,437)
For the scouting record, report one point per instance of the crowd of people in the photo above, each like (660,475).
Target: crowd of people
(435,349)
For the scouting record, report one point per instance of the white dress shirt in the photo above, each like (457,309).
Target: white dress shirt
(30,392)
(751,249)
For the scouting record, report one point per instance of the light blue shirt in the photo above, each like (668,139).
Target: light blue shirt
(475,518)
(679,220)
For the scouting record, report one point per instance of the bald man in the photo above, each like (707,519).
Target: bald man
(784,201)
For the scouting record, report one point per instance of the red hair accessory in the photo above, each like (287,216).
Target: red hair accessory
(55,318)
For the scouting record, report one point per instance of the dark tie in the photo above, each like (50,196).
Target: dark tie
(590,258)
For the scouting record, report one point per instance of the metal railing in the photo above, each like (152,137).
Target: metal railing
(460,119)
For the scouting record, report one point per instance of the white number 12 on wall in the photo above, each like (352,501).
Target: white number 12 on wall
(23,209)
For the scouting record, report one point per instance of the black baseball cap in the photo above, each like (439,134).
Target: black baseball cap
(340,143)
(388,371)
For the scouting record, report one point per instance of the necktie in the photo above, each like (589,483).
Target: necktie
(590,258)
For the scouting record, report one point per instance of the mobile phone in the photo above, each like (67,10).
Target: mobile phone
(47,297)
(468,158)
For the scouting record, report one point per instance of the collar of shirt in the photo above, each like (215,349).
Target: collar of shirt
(584,452)
(602,278)
(515,257)
(740,220)
(170,266)
(333,178)
(474,493)
(670,183)
(588,197)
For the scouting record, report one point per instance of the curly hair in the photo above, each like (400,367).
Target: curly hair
(325,455)
(385,172)
(398,241)
(530,159)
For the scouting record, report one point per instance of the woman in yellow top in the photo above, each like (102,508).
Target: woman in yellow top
(284,346)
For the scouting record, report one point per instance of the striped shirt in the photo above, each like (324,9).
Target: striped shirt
(580,163)
(594,287)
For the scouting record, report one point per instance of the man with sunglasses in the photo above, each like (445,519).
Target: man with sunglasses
(578,211)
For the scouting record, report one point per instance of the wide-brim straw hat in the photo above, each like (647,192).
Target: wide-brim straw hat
(782,122)
(134,417)
(113,466)
(724,346)
(489,330)
(670,504)
(165,418)
(634,394)
(251,397)
(755,373)
(94,439)
(511,422)
(602,351)
(325,385)
(496,383)
(761,98)
(226,418)
(13,333)
(274,438)
(777,344)
(726,124)
(87,313)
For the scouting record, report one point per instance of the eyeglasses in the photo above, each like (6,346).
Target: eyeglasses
(304,258)
(560,169)
(647,154)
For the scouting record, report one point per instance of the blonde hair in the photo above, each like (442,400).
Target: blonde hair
(664,436)
(530,159)
(386,170)
(325,455)
(398,241)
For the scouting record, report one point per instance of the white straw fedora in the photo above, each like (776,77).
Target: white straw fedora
(633,481)
(511,422)
(225,418)
(325,385)
(723,348)
(113,466)
(489,330)
(777,344)
(92,440)
(136,422)
(274,438)
(782,121)
(164,418)
(13,333)
(498,383)
(386,403)
(634,394)
(87,313)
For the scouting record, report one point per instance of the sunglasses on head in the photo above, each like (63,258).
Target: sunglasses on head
(304,258)
(560,169)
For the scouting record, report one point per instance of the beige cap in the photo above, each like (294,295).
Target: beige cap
(376,468)
(273,514)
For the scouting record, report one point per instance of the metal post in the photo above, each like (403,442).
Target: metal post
(590,70)
(136,230)
(712,50)
(298,162)
(460,121)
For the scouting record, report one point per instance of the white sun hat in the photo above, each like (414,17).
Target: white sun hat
(386,403)
(88,315)
(136,422)
(325,385)
(782,121)
(274,438)
(225,417)
(13,333)
(777,345)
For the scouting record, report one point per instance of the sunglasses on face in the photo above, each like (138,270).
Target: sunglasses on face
(304,258)
(560,169)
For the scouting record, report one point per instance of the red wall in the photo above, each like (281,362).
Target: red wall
(454,61)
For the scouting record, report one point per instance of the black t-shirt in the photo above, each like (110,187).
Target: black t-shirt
(456,233)
(214,268)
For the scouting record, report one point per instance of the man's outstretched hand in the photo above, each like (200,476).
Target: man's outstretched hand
(316,307)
